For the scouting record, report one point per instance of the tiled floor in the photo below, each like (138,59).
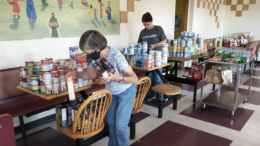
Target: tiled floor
(186,126)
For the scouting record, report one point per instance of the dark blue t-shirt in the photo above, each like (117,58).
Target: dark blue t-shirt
(152,36)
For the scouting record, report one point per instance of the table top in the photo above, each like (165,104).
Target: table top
(98,83)
(42,95)
(140,68)
(186,59)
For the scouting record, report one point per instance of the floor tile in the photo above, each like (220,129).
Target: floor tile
(253,98)
(219,116)
(155,104)
(255,82)
(174,134)
(46,137)
(140,116)
(255,72)
(188,87)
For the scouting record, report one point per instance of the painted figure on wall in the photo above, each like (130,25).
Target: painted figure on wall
(30,10)
(16,8)
(91,12)
(44,2)
(54,25)
(108,11)
(60,3)
(101,11)
(84,2)
(95,14)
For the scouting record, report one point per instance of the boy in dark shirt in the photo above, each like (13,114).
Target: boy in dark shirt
(155,37)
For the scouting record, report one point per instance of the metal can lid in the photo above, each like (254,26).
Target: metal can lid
(34,77)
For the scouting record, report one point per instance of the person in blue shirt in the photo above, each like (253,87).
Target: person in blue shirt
(122,84)
(155,37)
(30,10)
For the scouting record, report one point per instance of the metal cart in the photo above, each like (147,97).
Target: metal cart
(228,99)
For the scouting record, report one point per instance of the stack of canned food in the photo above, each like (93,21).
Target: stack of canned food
(187,47)
(48,76)
(138,55)
(187,34)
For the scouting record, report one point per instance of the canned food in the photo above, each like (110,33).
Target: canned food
(23,71)
(79,68)
(21,68)
(83,64)
(47,78)
(164,45)
(74,50)
(37,64)
(50,60)
(42,86)
(125,50)
(28,77)
(56,62)
(65,67)
(29,70)
(182,43)
(174,43)
(55,88)
(55,77)
(25,83)
(136,49)
(29,63)
(144,47)
(56,67)
(35,82)
(158,54)
(158,62)
(48,89)
(75,83)
(37,70)
(62,74)
(73,59)
(186,33)
(63,86)
(87,82)
(152,63)
(73,69)
(45,65)
(21,81)
(80,82)
(198,35)
(62,62)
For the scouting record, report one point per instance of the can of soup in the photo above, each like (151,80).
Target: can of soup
(37,70)
(56,67)
(23,71)
(25,83)
(28,77)
(65,67)
(75,83)
(42,86)
(47,78)
(73,69)
(62,74)
(55,77)
(80,82)
(62,62)
(63,86)
(80,68)
(48,89)
(35,83)
(50,60)
(45,65)
(55,88)
(21,81)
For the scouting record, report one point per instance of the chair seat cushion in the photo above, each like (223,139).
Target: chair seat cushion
(26,103)
(167,89)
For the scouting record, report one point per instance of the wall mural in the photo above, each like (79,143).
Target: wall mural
(35,19)
(212,6)
(239,5)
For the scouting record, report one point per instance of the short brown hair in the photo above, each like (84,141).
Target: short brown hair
(92,39)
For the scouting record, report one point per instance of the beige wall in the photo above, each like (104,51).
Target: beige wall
(15,53)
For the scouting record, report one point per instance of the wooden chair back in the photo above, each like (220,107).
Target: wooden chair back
(90,115)
(142,87)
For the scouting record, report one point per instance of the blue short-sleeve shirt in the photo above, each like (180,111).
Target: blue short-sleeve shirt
(117,59)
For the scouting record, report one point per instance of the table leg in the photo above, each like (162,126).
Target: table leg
(175,99)
(161,76)
(245,67)
(160,110)
(195,92)
(23,131)
(147,73)
(132,127)
(167,67)
(83,94)
(80,142)
(176,68)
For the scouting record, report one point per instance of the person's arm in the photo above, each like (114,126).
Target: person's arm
(129,78)
(159,44)
(89,75)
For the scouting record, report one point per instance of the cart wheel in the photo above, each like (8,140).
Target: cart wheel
(203,106)
(244,101)
(231,114)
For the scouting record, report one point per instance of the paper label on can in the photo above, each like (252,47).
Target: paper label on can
(55,80)
(62,78)
(55,88)
(48,89)
(63,86)
(35,88)
(42,88)
(45,67)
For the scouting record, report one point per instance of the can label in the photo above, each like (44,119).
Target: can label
(47,78)
(56,67)
(35,80)
(37,71)
(74,50)
(44,62)
(48,89)
(29,70)
(75,83)
(35,88)
(66,67)
(79,69)
(55,77)
(73,69)
(21,81)
(63,86)
(83,64)
(125,50)
(42,86)
(55,88)
(23,72)
(61,62)
(80,82)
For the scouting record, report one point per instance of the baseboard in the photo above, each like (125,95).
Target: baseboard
(36,123)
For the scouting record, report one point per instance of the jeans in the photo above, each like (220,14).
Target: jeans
(118,117)
(156,80)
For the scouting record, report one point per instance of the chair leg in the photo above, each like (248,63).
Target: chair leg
(175,99)
(23,131)
(132,127)
(160,110)
(80,142)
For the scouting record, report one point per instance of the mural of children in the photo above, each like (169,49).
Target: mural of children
(60,3)
(95,14)
(44,2)
(91,12)
(84,2)
(101,12)
(54,25)
(30,10)
(108,11)
(16,8)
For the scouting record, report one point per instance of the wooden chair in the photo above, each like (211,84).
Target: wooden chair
(169,91)
(142,87)
(93,110)
(6,130)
